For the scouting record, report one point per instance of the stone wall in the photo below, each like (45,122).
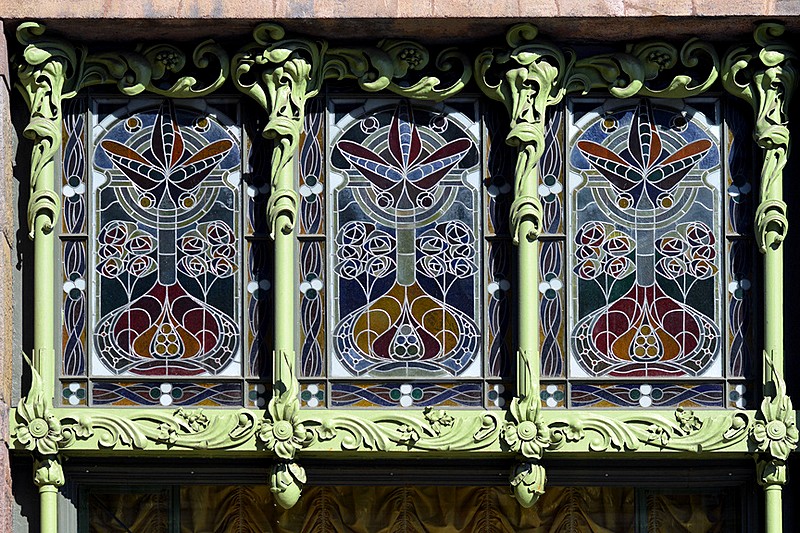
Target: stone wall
(428,20)
(6,236)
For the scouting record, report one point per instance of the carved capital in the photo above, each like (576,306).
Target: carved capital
(765,77)
(47,471)
(286,481)
(527,78)
(527,483)
(46,66)
(771,471)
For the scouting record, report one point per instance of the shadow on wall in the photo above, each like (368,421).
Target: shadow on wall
(25,493)
(21,259)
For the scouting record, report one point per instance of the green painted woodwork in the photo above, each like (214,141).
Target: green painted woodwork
(765,77)
(528,75)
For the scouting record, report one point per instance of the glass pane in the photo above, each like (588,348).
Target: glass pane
(413,509)
(166,240)
(406,509)
(128,512)
(645,240)
(405,243)
(693,512)
(73,244)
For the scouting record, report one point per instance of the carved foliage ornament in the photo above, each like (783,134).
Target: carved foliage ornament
(765,78)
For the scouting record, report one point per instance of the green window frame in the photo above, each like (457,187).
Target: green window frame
(528,75)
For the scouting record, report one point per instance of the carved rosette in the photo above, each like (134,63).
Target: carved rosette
(774,434)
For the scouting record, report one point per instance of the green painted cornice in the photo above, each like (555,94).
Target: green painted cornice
(432,432)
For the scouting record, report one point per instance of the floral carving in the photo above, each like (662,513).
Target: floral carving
(775,433)
(439,420)
(38,428)
(283,433)
(527,434)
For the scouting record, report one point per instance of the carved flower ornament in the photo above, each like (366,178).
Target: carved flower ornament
(40,429)
(777,434)
(527,434)
(282,433)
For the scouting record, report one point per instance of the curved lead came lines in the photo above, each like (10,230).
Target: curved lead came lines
(174,170)
(646,326)
(404,176)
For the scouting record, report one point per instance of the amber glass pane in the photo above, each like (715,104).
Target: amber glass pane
(129,512)
(414,509)
(707,512)
(406,509)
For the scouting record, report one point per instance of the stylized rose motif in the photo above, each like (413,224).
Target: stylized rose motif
(671,267)
(603,249)
(688,249)
(591,234)
(589,269)
(619,267)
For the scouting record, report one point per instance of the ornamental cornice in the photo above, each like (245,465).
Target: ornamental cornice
(430,432)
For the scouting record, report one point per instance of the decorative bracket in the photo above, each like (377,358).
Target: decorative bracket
(765,78)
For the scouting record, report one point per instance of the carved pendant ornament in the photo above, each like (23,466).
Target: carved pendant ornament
(406,253)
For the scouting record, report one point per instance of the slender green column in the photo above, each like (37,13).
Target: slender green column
(773,508)
(528,81)
(42,75)
(43,298)
(764,76)
(773,308)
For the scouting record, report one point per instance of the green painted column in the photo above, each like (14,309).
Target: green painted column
(773,508)
(765,77)
(43,288)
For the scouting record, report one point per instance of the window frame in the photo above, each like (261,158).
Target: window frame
(280,74)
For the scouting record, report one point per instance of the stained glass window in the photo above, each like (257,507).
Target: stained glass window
(159,307)
(646,255)
(397,262)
